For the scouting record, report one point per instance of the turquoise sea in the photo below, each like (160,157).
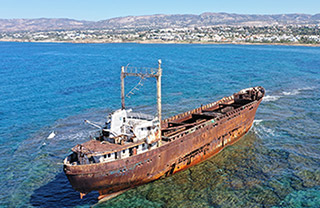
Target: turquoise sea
(47,87)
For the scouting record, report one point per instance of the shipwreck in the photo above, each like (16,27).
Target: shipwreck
(135,148)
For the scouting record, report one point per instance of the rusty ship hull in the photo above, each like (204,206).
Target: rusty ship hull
(187,139)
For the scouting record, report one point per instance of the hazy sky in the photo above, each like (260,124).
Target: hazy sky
(104,9)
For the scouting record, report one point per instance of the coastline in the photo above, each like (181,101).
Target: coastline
(162,42)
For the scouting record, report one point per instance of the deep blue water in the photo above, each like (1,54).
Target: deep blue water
(47,87)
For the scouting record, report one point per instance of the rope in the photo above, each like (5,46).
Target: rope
(135,88)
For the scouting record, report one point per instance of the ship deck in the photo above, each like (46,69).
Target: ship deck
(174,125)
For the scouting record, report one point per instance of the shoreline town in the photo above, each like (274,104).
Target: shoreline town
(299,35)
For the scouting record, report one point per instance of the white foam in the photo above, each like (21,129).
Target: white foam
(72,136)
(262,130)
(271,98)
(257,122)
(306,88)
(293,92)
(297,91)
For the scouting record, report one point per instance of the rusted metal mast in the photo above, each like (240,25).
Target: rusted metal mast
(159,94)
(143,73)
(122,87)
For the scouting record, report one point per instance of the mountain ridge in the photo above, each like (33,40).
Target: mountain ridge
(158,21)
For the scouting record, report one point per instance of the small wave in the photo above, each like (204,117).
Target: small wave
(306,88)
(297,91)
(293,92)
(260,129)
(263,130)
(269,98)
(257,122)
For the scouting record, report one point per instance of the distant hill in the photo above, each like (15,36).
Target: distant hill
(157,21)
(12,25)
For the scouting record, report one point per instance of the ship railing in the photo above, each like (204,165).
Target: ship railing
(210,124)
(141,71)
(197,110)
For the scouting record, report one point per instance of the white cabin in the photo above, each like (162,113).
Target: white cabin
(134,126)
